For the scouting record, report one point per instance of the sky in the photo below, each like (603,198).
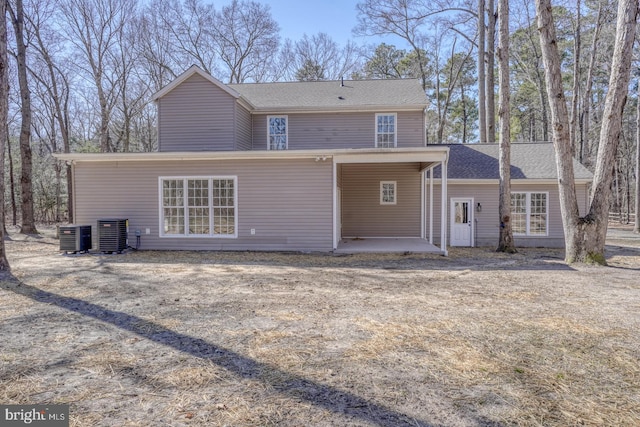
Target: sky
(335,17)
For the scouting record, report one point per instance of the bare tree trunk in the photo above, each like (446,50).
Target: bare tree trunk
(506,243)
(585,237)
(541,85)
(491,86)
(573,123)
(465,115)
(28,217)
(585,147)
(482,112)
(636,228)
(627,183)
(105,146)
(4,111)
(14,206)
(612,120)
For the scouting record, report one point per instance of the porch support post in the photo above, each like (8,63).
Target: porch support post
(443,214)
(431,205)
(335,203)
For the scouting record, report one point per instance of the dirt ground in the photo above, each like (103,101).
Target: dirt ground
(257,339)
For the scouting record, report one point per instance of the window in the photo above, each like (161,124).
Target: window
(199,207)
(529,213)
(277,133)
(388,192)
(385,130)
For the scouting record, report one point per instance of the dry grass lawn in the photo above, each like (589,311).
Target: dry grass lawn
(259,339)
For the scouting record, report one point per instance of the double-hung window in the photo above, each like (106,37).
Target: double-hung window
(277,132)
(529,213)
(386,135)
(388,193)
(199,206)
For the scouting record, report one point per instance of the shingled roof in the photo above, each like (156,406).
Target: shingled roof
(528,161)
(283,97)
(391,94)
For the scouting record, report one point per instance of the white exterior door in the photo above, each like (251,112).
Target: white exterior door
(461,222)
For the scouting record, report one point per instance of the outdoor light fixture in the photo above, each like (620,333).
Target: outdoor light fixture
(478,207)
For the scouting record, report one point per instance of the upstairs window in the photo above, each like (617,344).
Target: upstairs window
(529,212)
(277,133)
(386,130)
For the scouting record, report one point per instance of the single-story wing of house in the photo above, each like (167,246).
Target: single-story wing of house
(312,166)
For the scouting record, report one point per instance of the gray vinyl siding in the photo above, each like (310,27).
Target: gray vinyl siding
(487,224)
(243,128)
(362,213)
(340,130)
(287,202)
(196,116)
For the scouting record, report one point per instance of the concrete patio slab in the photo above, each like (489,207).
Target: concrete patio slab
(385,245)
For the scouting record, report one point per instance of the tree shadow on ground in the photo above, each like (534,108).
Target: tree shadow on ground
(341,402)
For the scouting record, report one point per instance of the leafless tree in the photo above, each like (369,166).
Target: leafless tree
(452,72)
(585,115)
(173,35)
(585,236)
(133,93)
(322,52)
(93,28)
(575,91)
(4,109)
(482,110)
(247,37)
(52,78)
(505,243)
(28,225)
(491,62)
(636,226)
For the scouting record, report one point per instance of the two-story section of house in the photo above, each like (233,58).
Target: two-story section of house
(305,166)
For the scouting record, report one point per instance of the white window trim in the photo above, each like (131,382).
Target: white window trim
(286,118)
(211,235)
(395,192)
(528,214)
(395,134)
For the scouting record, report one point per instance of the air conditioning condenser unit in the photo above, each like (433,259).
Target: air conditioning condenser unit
(75,238)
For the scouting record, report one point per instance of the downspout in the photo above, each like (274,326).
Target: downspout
(73,189)
(157,127)
(424,127)
(423,211)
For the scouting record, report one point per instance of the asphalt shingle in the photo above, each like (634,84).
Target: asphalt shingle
(528,161)
(390,94)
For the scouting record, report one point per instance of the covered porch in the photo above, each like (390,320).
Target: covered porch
(380,200)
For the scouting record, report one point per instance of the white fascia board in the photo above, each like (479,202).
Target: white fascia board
(392,155)
(367,155)
(189,155)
